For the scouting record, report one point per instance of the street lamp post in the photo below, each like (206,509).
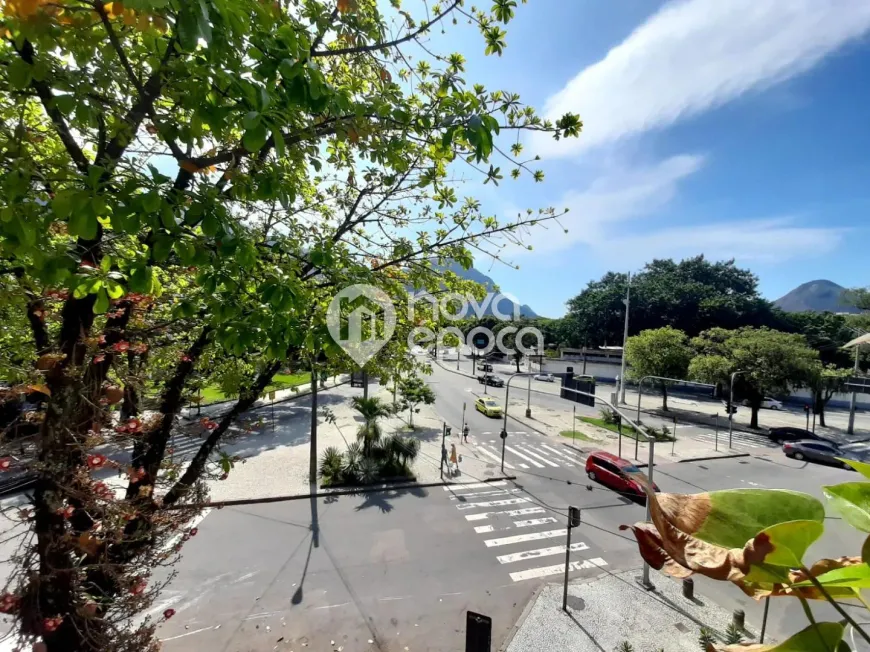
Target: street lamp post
(529,399)
(731,405)
(626,301)
(853,400)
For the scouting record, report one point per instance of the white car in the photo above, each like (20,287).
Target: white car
(768,403)
(547,378)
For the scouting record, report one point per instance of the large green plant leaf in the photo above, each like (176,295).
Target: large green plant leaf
(852,501)
(821,637)
(861,467)
(856,577)
(790,541)
(730,518)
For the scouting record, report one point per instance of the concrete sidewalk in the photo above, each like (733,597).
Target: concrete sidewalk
(612,609)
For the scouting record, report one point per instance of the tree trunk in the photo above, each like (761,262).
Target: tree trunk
(664,397)
(755,407)
(820,402)
(411,417)
(517,360)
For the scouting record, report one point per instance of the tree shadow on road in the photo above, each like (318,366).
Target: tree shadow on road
(382,499)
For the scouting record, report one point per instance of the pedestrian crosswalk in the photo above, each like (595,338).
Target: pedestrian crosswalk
(527,454)
(738,440)
(528,539)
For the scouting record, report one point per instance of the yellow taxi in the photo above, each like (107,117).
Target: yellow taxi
(488,406)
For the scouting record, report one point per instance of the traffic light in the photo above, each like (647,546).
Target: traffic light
(573,516)
(806,408)
(447,431)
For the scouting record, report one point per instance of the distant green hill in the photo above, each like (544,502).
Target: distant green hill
(505,305)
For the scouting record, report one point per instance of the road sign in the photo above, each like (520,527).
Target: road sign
(272,395)
(859,384)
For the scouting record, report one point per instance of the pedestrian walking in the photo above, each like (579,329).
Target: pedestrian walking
(444,461)
(454,459)
(465,434)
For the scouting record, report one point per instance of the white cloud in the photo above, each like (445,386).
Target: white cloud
(749,241)
(620,213)
(695,55)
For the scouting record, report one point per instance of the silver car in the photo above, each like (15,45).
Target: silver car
(815,451)
(547,378)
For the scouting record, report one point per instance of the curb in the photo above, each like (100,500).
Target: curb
(509,637)
(459,373)
(730,456)
(338,492)
(270,403)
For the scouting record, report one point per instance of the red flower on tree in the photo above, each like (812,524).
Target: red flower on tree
(121,346)
(185,357)
(97,461)
(99,358)
(51,624)
(193,531)
(5,463)
(9,603)
(139,348)
(139,586)
(101,490)
(67,511)
(169,613)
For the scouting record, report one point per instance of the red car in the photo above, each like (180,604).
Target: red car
(615,472)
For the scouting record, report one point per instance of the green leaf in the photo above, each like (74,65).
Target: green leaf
(115,290)
(251,119)
(101,305)
(83,224)
(255,138)
(865,551)
(162,248)
(861,467)
(852,501)
(288,69)
(210,225)
(279,142)
(66,104)
(790,541)
(855,577)
(821,637)
(62,204)
(20,73)
(141,280)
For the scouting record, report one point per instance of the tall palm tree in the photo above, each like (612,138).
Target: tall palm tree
(371,410)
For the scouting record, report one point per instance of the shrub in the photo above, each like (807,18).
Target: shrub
(609,416)
(331,465)
(369,471)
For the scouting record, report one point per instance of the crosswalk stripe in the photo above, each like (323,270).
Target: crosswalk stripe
(482,529)
(497,492)
(562,460)
(495,457)
(540,552)
(540,457)
(523,466)
(569,456)
(493,503)
(509,512)
(533,573)
(520,538)
(475,485)
(528,459)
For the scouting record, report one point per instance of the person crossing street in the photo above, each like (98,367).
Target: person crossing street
(465,434)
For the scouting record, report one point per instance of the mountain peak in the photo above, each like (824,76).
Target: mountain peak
(815,296)
(505,305)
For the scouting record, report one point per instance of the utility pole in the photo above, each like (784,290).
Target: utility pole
(312,462)
(573,521)
(626,301)
(644,582)
(731,405)
(853,400)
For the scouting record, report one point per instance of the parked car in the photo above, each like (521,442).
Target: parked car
(490,379)
(790,433)
(768,403)
(815,451)
(616,473)
(484,366)
(489,406)
(547,378)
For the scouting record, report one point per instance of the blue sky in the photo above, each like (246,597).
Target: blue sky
(733,128)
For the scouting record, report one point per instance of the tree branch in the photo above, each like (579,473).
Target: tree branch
(389,44)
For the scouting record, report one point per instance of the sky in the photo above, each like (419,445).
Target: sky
(734,129)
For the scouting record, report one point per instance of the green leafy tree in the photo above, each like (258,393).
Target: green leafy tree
(825,380)
(691,295)
(414,392)
(770,362)
(858,297)
(186,184)
(661,352)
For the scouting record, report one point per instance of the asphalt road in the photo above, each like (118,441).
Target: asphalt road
(398,570)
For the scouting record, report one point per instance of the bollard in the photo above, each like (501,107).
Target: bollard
(739,619)
(688,588)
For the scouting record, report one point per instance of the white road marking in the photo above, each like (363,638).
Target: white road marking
(475,485)
(528,459)
(192,523)
(332,606)
(533,573)
(523,466)
(497,492)
(535,521)
(482,529)
(493,503)
(521,538)
(495,457)
(509,512)
(563,454)
(196,631)
(520,432)
(540,457)
(540,552)
(488,432)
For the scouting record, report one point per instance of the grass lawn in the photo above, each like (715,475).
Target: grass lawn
(574,434)
(212,394)
(627,431)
